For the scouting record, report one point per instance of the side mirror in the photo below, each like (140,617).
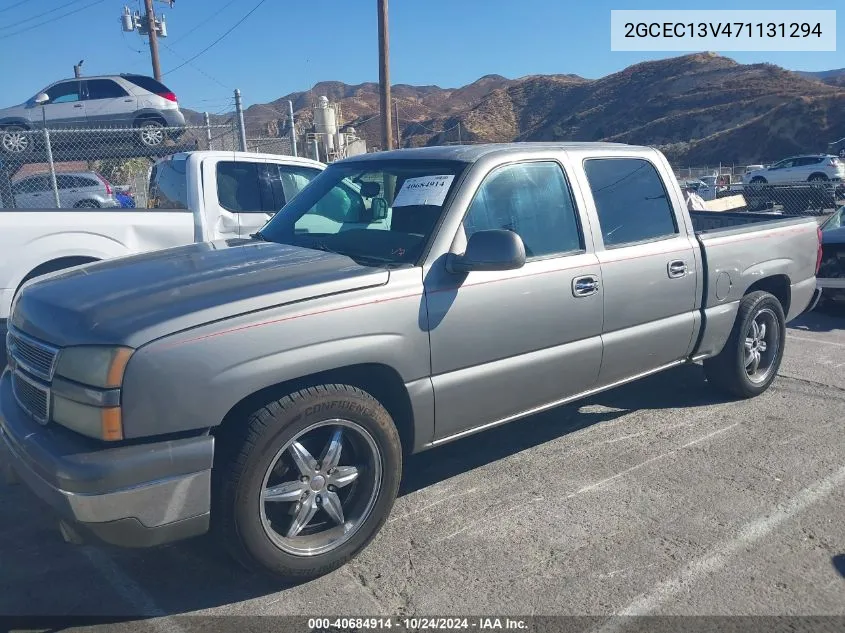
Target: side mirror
(496,249)
(41,98)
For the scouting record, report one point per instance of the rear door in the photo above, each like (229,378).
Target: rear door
(65,107)
(649,268)
(107,104)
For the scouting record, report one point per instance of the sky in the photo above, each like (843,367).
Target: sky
(283,46)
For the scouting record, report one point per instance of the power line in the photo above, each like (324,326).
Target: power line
(217,41)
(197,68)
(12,6)
(58,17)
(225,6)
(39,15)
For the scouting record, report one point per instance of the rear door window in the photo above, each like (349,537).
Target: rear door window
(238,187)
(631,201)
(105,89)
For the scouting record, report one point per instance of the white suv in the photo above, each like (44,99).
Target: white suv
(812,168)
(113,101)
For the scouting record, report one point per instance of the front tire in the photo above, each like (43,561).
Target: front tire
(309,482)
(16,140)
(750,360)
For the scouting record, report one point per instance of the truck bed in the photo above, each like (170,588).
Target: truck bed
(715,221)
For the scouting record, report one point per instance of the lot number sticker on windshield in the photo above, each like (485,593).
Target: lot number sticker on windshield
(425,190)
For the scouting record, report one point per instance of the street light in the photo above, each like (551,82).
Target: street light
(41,99)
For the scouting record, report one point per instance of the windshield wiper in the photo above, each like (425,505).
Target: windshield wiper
(257,236)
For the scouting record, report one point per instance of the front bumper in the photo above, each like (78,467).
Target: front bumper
(136,495)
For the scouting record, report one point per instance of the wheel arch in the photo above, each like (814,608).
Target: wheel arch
(777,285)
(379,380)
(55,265)
(147,115)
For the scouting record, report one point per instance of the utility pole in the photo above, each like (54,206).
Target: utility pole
(153,35)
(398,135)
(147,25)
(292,128)
(384,76)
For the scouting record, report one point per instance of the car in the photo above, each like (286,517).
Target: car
(77,190)
(810,168)
(271,386)
(831,277)
(130,101)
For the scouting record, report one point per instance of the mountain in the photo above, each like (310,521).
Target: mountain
(701,108)
(832,77)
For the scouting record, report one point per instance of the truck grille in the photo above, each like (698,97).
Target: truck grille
(32,397)
(37,358)
(32,361)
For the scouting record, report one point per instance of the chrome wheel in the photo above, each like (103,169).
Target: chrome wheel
(312,505)
(762,340)
(15,141)
(152,134)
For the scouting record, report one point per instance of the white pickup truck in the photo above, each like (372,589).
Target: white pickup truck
(193,197)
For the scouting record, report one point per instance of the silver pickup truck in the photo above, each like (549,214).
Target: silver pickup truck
(266,388)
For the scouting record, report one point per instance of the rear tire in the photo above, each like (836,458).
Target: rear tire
(151,133)
(347,509)
(760,319)
(87,204)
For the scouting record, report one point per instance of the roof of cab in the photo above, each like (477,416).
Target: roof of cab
(472,153)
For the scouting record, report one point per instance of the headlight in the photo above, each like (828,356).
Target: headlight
(94,366)
(102,423)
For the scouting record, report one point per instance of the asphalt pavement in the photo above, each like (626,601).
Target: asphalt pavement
(660,497)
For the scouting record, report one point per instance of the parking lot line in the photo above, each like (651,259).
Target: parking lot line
(815,340)
(718,557)
(131,591)
(489,517)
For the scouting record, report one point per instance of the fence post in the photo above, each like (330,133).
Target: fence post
(207,129)
(241,126)
(292,129)
(53,182)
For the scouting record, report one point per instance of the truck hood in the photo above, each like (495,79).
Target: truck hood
(133,300)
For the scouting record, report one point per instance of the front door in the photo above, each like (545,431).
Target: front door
(648,265)
(65,107)
(506,343)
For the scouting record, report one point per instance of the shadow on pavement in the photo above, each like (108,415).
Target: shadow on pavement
(196,575)
(825,318)
(839,564)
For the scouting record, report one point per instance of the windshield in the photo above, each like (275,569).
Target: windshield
(378,211)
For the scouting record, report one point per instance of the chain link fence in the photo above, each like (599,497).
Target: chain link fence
(102,168)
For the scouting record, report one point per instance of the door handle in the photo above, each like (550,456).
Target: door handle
(78,105)
(677,269)
(585,286)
